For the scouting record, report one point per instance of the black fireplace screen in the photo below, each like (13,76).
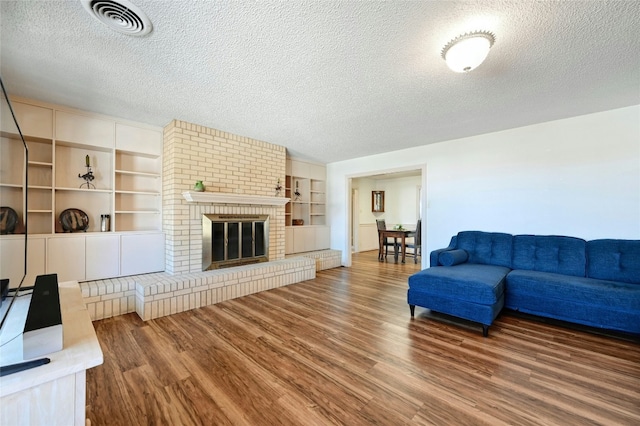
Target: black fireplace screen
(231,240)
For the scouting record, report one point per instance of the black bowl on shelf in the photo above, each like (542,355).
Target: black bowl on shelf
(8,220)
(74,220)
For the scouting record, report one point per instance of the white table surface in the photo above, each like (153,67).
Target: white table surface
(81,349)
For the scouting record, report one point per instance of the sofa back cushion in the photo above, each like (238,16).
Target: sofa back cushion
(556,254)
(616,260)
(486,248)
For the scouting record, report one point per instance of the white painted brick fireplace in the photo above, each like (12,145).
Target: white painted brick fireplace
(241,175)
(227,164)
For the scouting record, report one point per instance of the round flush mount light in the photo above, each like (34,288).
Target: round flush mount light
(122,16)
(465,52)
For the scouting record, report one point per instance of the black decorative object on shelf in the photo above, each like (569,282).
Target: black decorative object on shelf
(8,220)
(88,177)
(74,220)
(297,193)
(278,188)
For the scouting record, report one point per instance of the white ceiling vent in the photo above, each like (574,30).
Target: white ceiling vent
(121,16)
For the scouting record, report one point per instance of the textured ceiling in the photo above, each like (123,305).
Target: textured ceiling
(329,80)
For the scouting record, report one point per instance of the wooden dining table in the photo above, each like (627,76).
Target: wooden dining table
(402,235)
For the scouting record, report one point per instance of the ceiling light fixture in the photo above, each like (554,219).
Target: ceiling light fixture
(121,15)
(467,51)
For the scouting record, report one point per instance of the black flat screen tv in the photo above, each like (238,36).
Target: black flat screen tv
(11,290)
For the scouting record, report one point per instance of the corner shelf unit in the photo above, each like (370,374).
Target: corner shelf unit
(125,158)
(309,181)
(309,206)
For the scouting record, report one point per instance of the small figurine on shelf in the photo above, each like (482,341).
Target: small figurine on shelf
(278,188)
(199,186)
(88,177)
(297,193)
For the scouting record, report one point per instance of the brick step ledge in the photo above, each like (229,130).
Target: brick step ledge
(159,294)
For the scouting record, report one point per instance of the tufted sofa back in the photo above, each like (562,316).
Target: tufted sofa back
(487,248)
(548,253)
(607,259)
(616,260)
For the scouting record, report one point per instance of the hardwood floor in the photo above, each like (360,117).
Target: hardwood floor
(343,349)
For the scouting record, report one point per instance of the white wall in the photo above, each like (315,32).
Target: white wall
(399,198)
(401,207)
(578,176)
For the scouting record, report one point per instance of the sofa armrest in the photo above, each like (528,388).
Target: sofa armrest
(434,255)
(453,257)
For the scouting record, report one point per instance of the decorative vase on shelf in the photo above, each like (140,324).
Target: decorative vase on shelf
(198,187)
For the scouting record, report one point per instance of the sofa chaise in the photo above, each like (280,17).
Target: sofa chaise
(594,283)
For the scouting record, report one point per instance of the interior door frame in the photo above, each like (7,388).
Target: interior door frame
(350,220)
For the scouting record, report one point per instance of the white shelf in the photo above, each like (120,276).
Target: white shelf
(103,191)
(127,168)
(40,164)
(138,192)
(137,212)
(132,173)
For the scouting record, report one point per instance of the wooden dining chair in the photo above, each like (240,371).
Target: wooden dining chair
(416,244)
(388,242)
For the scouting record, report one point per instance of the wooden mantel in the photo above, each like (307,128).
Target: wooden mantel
(224,198)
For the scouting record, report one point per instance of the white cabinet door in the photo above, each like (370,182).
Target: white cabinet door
(308,170)
(137,139)
(323,238)
(12,259)
(304,239)
(84,130)
(33,120)
(298,239)
(66,257)
(288,240)
(36,258)
(141,254)
(102,256)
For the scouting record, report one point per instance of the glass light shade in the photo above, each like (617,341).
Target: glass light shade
(467,53)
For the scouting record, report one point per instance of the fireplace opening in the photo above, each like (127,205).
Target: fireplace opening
(233,240)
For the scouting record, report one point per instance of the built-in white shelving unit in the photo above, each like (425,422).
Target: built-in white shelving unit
(126,162)
(305,185)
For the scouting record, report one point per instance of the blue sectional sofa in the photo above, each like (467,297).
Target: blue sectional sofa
(595,283)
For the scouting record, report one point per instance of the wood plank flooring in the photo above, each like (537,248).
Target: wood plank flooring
(342,349)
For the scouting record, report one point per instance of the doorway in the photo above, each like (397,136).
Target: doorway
(404,204)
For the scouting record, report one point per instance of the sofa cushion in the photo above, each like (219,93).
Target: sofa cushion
(453,257)
(617,260)
(486,248)
(589,291)
(561,255)
(481,284)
